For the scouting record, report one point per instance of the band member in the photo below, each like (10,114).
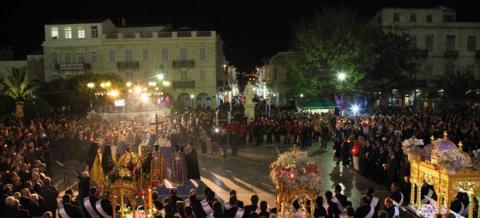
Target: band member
(66,209)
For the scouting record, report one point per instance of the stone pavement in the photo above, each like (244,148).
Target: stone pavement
(249,173)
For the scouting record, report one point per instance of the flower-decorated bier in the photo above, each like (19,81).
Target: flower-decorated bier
(449,170)
(296,176)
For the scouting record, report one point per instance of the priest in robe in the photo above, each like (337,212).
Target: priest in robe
(192,162)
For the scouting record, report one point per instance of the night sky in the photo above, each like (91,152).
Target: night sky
(251,30)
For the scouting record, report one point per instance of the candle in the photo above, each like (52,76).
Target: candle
(150,200)
(114,205)
(121,203)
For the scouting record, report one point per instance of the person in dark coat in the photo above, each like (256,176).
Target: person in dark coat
(92,153)
(395,195)
(234,193)
(37,206)
(364,209)
(107,161)
(391,209)
(13,209)
(195,204)
(172,199)
(83,185)
(66,208)
(193,170)
(264,210)
(104,206)
(89,203)
(253,207)
(50,195)
(231,207)
(338,194)
(319,209)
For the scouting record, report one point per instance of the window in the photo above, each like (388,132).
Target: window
(111,55)
(202,54)
(450,43)
(413,41)
(165,54)
(396,17)
(471,69)
(54,32)
(413,18)
(81,33)
(448,18)
(429,42)
(203,75)
(94,32)
(183,75)
(183,54)
(81,58)
(472,43)
(429,18)
(94,57)
(128,55)
(145,54)
(54,58)
(68,58)
(68,32)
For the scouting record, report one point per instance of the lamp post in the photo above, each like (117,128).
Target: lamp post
(192,96)
(91,86)
(341,77)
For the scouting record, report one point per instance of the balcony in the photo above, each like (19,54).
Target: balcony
(183,63)
(421,53)
(112,35)
(204,34)
(165,34)
(127,65)
(184,34)
(184,84)
(66,67)
(146,35)
(451,54)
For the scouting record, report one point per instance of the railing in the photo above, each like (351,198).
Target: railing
(72,66)
(146,35)
(127,64)
(163,34)
(421,53)
(128,35)
(184,34)
(204,33)
(183,63)
(184,84)
(451,54)
(112,35)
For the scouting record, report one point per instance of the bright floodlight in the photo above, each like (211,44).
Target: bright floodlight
(217,130)
(144,98)
(342,76)
(114,93)
(355,109)
(137,89)
(152,83)
(160,76)
(166,83)
(129,84)
(192,96)
(91,85)
(301,95)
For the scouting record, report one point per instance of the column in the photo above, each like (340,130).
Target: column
(412,194)
(419,196)
(478,212)
(439,201)
(470,204)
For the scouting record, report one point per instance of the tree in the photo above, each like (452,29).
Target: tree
(18,87)
(396,55)
(329,43)
(455,84)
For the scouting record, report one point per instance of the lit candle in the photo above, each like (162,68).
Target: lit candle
(150,200)
(114,206)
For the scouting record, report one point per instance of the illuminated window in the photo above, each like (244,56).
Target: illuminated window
(68,32)
(81,33)
(54,32)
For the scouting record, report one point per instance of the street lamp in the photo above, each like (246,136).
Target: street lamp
(129,84)
(192,96)
(341,76)
(91,85)
(161,76)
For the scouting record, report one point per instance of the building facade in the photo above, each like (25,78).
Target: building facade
(274,76)
(192,61)
(445,45)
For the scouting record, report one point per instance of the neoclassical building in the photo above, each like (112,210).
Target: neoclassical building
(192,61)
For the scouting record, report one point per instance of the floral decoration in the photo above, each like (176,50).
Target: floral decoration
(295,170)
(476,159)
(412,147)
(429,211)
(451,160)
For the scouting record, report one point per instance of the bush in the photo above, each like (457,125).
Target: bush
(36,108)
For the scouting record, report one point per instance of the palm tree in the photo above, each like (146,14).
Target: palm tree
(455,84)
(18,87)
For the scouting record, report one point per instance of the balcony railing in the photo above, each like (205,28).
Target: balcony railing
(127,64)
(204,34)
(146,35)
(184,34)
(184,84)
(159,34)
(183,63)
(421,53)
(112,35)
(164,34)
(128,35)
(451,54)
(72,66)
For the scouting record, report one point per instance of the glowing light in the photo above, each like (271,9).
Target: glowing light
(160,76)
(192,96)
(137,89)
(152,83)
(144,98)
(129,84)
(217,130)
(355,109)
(113,93)
(301,95)
(342,76)
(166,83)
(91,85)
